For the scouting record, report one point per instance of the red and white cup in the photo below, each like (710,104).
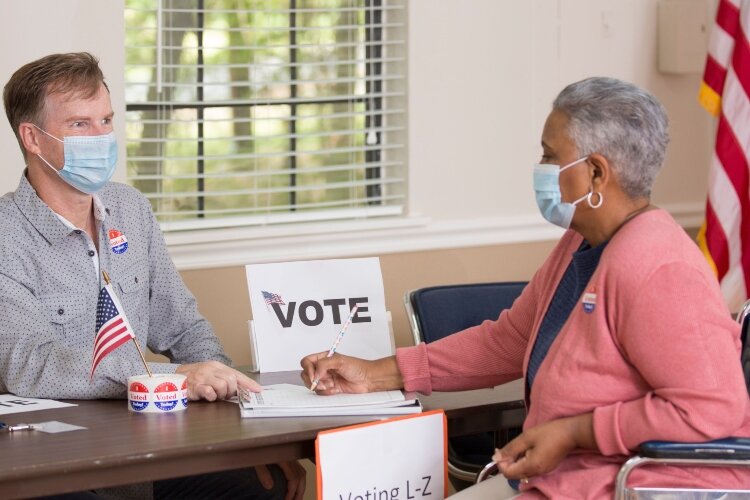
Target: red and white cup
(162,393)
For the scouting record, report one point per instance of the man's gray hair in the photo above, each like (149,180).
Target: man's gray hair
(620,121)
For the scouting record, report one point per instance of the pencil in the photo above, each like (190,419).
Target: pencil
(335,345)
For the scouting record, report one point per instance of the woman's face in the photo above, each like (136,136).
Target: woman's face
(558,149)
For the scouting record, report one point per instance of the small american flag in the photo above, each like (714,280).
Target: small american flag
(112,327)
(272,298)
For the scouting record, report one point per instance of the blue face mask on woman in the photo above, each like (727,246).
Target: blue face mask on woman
(548,197)
(90,160)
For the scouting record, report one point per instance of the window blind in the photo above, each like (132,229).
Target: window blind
(248,112)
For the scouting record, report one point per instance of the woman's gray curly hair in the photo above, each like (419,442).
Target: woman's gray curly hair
(622,122)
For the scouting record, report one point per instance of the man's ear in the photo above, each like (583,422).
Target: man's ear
(601,171)
(29,138)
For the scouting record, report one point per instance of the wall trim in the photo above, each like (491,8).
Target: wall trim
(239,246)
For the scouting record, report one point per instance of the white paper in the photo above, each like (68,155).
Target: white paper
(317,298)
(53,427)
(10,403)
(288,400)
(295,396)
(394,459)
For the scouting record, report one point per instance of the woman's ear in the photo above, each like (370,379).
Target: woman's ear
(601,171)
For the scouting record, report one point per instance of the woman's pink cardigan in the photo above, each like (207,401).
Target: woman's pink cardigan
(650,349)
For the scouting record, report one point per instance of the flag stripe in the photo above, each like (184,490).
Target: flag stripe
(725,206)
(733,160)
(714,75)
(727,16)
(716,243)
(107,351)
(103,341)
(741,62)
(720,47)
(113,323)
(116,341)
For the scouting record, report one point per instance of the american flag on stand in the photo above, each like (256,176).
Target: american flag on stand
(272,298)
(725,234)
(112,327)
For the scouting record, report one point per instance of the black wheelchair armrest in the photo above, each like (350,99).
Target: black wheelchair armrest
(733,448)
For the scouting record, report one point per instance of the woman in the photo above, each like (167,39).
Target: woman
(622,335)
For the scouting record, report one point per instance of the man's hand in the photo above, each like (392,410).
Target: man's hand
(295,479)
(540,449)
(211,380)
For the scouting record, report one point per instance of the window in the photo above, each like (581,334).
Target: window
(252,112)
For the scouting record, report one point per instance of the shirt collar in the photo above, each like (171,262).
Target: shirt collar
(53,227)
(99,213)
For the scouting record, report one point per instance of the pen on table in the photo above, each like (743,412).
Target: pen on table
(336,342)
(18,427)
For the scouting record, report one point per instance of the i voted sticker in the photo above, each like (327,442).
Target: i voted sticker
(138,396)
(184,394)
(166,396)
(117,241)
(589,302)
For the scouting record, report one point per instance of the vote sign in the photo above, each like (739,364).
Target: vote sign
(299,308)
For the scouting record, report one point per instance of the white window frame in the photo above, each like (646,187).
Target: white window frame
(291,236)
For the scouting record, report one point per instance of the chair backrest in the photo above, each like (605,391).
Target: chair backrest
(438,311)
(743,317)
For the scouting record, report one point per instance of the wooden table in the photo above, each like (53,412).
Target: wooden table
(120,447)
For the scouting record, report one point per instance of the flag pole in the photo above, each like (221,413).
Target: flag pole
(135,341)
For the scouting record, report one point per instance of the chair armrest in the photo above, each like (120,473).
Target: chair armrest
(487,472)
(733,448)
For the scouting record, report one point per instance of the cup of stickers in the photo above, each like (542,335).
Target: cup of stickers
(160,393)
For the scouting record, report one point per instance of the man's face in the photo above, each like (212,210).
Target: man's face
(68,115)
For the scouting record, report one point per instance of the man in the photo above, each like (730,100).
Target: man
(59,230)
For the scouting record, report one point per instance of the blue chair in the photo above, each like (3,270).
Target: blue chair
(438,311)
(728,452)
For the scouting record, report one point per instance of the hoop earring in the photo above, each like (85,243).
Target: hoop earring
(601,199)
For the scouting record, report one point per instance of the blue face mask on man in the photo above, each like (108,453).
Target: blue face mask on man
(90,160)
(548,197)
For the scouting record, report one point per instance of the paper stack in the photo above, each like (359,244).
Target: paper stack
(288,400)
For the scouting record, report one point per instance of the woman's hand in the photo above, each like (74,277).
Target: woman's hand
(341,373)
(294,474)
(540,449)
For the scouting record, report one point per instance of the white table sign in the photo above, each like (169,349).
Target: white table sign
(299,308)
(10,403)
(398,459)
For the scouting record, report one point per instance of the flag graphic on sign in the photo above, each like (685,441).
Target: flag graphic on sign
(724,237)
(272,298)
(112,327)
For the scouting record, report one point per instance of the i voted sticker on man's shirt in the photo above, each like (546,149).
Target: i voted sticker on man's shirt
(117,241)
(589,302)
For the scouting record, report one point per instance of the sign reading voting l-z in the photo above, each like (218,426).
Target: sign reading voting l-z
(300,307)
